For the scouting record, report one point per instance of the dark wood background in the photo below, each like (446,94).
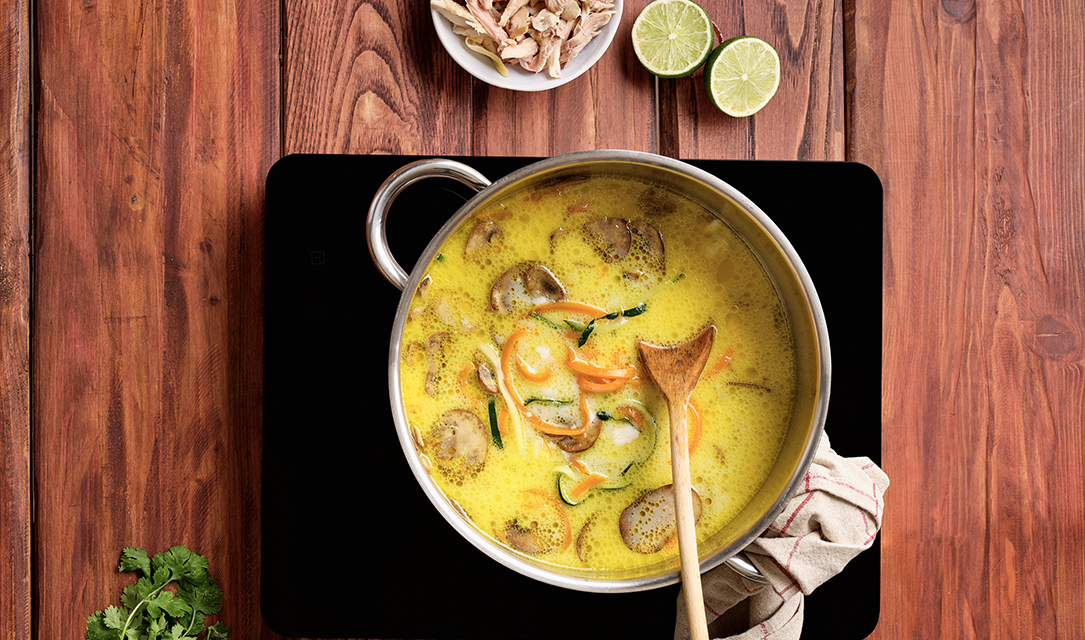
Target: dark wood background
(136,141)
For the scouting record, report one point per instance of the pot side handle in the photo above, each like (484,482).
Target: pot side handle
(386,194)
(741,565)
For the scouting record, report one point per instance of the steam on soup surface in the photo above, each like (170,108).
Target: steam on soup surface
(524,390)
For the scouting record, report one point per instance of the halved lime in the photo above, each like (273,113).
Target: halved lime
(672,38)
(741,75)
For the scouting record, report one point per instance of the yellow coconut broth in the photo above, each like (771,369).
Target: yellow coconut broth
(707,275)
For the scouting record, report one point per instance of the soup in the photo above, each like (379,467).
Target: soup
(522,384)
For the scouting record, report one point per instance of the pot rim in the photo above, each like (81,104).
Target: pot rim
(547,573)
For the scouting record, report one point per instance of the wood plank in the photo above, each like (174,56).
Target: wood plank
(611,106)
(157,124)
(370,77)
(803,121)
(971,114)
(15,480)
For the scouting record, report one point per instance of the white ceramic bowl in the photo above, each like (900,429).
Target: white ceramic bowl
(519,79)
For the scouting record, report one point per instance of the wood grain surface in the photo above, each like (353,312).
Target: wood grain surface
(15,473)
(971,114)
(138,135)
(157,124)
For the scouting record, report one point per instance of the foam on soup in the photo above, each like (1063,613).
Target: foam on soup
(525,331)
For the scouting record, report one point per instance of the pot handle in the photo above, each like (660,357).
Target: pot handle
(386,194)
(743,567)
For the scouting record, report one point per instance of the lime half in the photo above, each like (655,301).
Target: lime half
(741,75)
(672,38)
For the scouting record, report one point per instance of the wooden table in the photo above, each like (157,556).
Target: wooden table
(137,138)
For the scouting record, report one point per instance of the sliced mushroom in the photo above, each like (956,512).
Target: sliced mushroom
(647,239)
(656,202)
(423,285)
(542,285)
(610,237)
(529,539)
(650,522)
(582,442)
(486,377)
(583,540)
(506,289)
(483,234)
(434,360)
(460,437)
(524,284)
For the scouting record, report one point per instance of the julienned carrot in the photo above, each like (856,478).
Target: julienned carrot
(506,372)
(555,430)
(577,464)
(575,307)
(636,416)
(506,364)
(587,483)
(587,384)
(551,501)
(465,370)
(724,360)
(697,425)
(503,421)
(531,374)
(578,364)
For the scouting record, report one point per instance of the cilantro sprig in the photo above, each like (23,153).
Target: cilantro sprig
(150,611)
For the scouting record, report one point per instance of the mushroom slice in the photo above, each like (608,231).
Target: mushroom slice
(582,442)
(507,289)
(651,521)
(434,360)
(656,202)
(486,377)
(483,234)
(542,285)
(460,441)
(648,246)
(610,237)
(528,539)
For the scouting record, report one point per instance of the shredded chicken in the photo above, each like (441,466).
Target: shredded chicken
(534,34)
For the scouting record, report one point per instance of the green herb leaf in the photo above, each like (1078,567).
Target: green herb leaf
(135,559)
(151,612)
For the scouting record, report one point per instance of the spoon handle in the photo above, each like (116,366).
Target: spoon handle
(687,534)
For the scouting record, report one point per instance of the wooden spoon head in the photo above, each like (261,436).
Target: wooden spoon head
(676,369)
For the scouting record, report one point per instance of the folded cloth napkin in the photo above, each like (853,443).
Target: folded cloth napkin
(834,515)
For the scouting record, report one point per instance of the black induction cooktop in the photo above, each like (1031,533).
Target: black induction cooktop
(352,548)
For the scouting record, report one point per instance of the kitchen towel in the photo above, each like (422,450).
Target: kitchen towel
(833,516)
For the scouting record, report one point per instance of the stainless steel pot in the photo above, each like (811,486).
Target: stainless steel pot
(767,242)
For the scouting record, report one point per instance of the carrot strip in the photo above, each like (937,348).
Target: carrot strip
(506,365)
(578,364)
(596,371)
(531,374)
(698,425)
(587,384)
(503,421)
(724,360)
(465,370)
(587,483)
(575,307)
(555,430)
(538,423)
(636,416)
(577,464)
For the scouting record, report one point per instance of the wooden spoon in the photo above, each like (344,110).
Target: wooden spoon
(676,370)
